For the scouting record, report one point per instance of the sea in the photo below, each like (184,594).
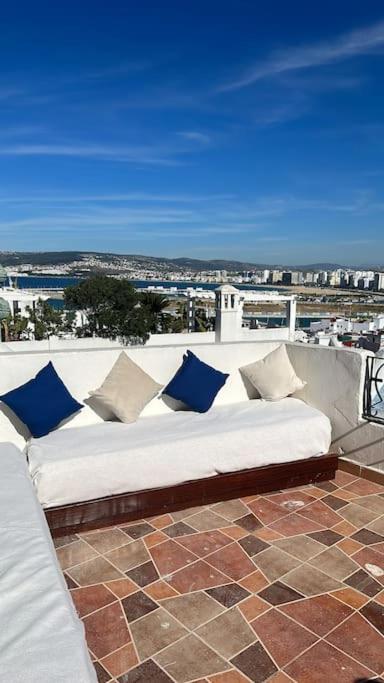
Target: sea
(59,283)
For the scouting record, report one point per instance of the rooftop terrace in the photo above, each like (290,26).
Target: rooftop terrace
(287,586)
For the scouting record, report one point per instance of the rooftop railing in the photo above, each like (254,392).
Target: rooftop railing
(373,400)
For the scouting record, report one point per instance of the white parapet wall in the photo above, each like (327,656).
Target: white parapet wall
(334,377)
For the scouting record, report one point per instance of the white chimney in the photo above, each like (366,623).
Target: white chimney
(229,310)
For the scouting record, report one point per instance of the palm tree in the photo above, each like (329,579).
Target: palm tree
(156,304)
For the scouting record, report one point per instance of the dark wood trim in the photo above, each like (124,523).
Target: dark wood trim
(361,471)
(126,507)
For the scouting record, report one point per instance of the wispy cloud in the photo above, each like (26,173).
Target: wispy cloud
(139,155)
(142,197)
(195,136)
(346,46)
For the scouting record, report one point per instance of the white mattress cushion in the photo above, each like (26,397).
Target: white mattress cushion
(41,638)
(89,462)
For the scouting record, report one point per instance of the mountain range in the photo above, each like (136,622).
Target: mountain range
(59,258)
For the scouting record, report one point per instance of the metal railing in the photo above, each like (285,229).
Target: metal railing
(373,401)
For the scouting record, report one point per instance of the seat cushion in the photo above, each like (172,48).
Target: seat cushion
(84,463)
(41,638)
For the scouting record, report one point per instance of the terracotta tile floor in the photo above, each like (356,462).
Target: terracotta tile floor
(283,587)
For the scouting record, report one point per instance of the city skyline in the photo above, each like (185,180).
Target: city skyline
(233,132)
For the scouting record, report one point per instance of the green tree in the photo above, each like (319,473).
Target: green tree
(113,309)
(47,321)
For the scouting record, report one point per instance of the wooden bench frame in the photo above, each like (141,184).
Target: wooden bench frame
(126,507)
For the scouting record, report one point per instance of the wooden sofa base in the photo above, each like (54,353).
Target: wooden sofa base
(126,507)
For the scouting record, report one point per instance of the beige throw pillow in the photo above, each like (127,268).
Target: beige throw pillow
(126,390)
(273,376)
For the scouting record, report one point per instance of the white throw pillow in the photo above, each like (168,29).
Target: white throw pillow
(273,376)
(126,390)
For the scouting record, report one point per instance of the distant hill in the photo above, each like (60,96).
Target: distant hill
(59,258)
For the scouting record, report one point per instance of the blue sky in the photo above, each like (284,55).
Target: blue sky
(234,129)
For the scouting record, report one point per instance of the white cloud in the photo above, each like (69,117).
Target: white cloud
(346,46)
(140,155)
(195,136)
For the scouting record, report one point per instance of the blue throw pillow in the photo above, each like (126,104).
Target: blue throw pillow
(43,402)
(195,383)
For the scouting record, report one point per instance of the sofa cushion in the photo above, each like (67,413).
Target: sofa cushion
(195,383)
(273,376)
(42,402)
(126,390)
(165,450)
(41,637)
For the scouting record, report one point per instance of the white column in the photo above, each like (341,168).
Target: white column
(291,318)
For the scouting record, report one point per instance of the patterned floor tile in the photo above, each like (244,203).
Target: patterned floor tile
(144,574)
(351,597)
(103,676)
(160,591)
(148,671)
(322,663)
(207,520)
(364,583)
(372,562)
(357,515)
(278,593)
(136,531)
(274,563)
(363,487)
(196,577)
(227,634)
(255,663)
(122,587)
(348,546)
(98,570)
(129,556)
(283,638)
(302,547)
(310,581)
(249,522)
(357,638)
(377,526)
(254,582)
(374,612)
(178,529)
(367,537)
(189,659)
(233,561)
(320,614)
(295,524)
(253,607)
(137,605)
(231,509)
(170,556)
(193,609)
(268,511)
(103,541)
(228,595)
(154,632)
(326,537)
(334,502)
(75,553)
(322,514)
(91,598)
(335,563)
(233,676)
(252,545)
(120,661)
(106,630)
(374,503)
(204,543)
